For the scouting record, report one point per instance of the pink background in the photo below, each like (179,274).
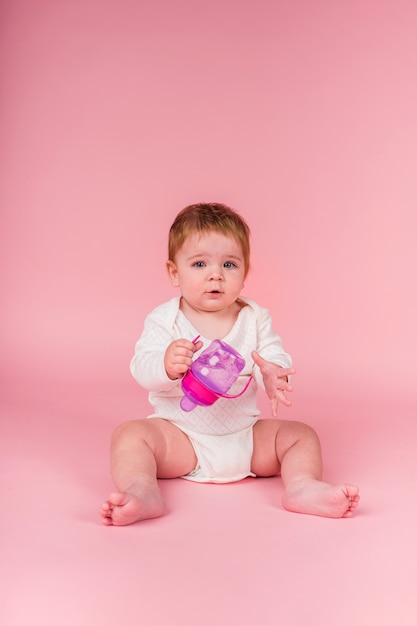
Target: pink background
(115,115)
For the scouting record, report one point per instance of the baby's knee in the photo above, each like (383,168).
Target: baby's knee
(304,431)
(129,430)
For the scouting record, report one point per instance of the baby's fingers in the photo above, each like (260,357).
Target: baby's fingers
(281,397)
(284,372)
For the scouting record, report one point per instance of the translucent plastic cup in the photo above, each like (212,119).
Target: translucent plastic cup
(211,375)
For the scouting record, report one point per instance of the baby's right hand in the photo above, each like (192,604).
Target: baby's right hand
(179,356)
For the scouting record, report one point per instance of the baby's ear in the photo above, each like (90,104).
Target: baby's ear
(172,273)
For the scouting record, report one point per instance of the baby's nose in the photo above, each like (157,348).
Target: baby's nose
(216,274)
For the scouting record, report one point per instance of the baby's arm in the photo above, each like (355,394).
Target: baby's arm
(272,364)
(147,365)
(275,380)
(160,358)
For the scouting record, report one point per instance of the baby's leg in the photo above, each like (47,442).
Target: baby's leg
(141,452)
(293,449)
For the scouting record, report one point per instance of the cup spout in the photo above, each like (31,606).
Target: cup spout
(187,404)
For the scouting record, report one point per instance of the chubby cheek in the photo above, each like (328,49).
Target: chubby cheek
(239,284)
(194,286)
(189,284)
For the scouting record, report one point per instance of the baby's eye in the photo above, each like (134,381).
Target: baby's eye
(229,265)
(199,264)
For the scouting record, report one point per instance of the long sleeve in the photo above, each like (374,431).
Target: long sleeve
(268,343)
(147,364)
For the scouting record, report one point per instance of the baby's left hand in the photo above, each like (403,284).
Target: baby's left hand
(275,381)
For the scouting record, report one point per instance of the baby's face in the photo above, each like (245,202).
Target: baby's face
(209,269)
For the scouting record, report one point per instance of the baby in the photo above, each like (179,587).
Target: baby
(227,441)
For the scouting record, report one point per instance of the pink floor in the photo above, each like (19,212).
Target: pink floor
(224,554)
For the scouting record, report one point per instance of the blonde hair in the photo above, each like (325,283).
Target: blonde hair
(205,217)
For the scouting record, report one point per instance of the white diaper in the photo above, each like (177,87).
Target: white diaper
(221,458)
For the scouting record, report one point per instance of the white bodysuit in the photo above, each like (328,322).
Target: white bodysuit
(221,434)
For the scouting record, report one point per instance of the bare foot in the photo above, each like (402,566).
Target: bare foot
(318,498)
(126,507)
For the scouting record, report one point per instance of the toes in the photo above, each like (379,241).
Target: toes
(117,499)
(351,491)
(106,513)
(353,503)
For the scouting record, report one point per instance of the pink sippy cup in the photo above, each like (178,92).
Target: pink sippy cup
(211,375)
